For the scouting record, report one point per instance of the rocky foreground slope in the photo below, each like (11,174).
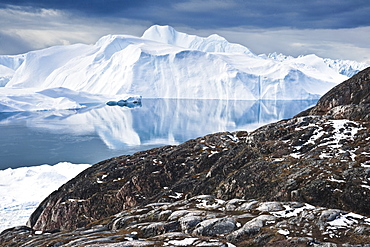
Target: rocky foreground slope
(304,181)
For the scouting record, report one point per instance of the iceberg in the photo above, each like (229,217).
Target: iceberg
(51,99)
(162,63)
(130,102)
(213,43)
(8,65)
(14,100)
(165,63)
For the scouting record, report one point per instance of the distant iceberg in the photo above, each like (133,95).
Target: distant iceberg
(129,102)
(51,99)
(347,68)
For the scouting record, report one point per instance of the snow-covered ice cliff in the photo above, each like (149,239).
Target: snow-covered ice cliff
(164,63)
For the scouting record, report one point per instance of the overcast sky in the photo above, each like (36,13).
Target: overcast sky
(337,29)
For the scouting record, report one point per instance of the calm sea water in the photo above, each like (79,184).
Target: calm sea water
(96,133)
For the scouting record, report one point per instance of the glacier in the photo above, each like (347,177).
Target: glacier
(165,63)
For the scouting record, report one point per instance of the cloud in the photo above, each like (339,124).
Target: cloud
(29,28)
(26,29)
(90,8)
(13,44)
(313,14)
(204,5)
(345,43)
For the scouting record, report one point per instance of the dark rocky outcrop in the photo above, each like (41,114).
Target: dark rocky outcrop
(299,159)
(321,157)
(350,99)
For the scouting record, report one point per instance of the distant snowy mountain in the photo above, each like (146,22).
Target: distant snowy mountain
(346,67)
(164,63)
(343,67)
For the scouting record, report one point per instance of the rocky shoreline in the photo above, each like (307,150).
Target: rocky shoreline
(303,181)
(207,221)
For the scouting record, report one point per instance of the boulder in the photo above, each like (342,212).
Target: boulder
(215,227)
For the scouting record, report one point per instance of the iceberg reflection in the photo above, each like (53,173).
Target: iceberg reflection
(98,132)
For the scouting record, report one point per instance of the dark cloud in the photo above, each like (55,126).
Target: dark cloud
(331,28)
(219,13)
(102,8)
(13,44)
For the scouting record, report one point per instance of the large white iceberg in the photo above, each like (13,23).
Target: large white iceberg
(164,63)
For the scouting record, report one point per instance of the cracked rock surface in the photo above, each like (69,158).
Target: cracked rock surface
(207,221)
